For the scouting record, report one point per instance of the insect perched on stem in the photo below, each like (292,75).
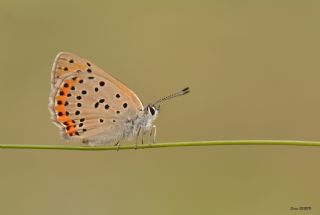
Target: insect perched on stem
(90,106)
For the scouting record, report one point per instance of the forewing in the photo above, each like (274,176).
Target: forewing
(86,102)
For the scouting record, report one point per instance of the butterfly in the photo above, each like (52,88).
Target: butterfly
(92,107)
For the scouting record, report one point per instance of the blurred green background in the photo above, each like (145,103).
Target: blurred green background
(253,68)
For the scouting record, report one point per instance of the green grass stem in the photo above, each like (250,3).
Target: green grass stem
(167,145)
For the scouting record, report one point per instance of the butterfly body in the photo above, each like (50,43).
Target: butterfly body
(92,107)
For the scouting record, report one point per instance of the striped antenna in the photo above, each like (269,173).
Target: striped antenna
(173,95)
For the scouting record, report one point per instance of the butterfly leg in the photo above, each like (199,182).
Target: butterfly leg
(136,145)
(117,145)
(153,133)
(143,135)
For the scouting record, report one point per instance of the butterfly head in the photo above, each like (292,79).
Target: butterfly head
(152,111)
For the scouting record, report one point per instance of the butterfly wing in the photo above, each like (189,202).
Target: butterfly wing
(89,105)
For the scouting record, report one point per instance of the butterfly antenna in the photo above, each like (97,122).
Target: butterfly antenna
(173,95)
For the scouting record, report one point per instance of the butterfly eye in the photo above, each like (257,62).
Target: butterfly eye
(152,111)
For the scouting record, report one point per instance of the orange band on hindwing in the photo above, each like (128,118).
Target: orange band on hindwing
(60,107)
